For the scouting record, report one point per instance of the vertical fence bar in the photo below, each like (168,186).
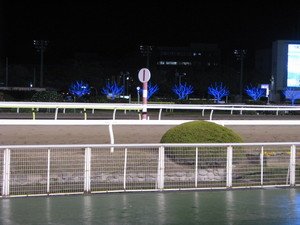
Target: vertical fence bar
(161,168)
(293,165)
(262,166)
(87,170)
(159,114)
(125,171)
(114,113)
(211,113)
(196,168)
(229,167)
(48,171)
(84,113)
(33,113)
(6,172)
(111,135)
(56,113)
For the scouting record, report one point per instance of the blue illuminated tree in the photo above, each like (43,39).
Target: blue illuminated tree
(292,94)
(79,88)
(218,90)
(112,90)
(182,90)
(151,89)
(255,93)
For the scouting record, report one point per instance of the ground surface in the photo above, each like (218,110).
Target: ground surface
(19,135)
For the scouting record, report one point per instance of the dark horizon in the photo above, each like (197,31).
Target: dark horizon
(119,28)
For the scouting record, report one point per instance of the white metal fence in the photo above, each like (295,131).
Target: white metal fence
(211,108)
(65,169)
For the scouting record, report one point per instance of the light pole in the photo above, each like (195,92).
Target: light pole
(179,75)
(146,51)
(124,74)
(240,55)
(40,46)
(138,93)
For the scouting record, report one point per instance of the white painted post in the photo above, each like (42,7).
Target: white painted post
(196,168)
(145,95)
(6,172)
(48,171)
(262,166)
(87,170)
(293,165)
(114,113)
(159,115)
(161,168)
(211,113)
(229,167)
(33,113)
(84,113)
(125,169)
(56,112)
(111,135)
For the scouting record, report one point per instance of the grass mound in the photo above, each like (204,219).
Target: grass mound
(199,132)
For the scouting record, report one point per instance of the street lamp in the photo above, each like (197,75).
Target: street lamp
(240,55)
(146,51)
(40,46)
(179,75)
(138,93)
(125,75)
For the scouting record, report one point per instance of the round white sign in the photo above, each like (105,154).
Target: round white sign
(144,75)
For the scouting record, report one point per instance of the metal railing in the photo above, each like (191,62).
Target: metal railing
(35,106)
(65,169)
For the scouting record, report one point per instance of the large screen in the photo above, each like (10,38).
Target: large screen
(293,65)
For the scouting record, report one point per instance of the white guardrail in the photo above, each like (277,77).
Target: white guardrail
(160,107)
(69,169)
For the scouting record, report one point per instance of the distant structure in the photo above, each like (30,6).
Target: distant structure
(285,68)
(187,64)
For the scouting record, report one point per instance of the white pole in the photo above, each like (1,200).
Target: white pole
(125,166)
(229,167)
(161,168)
(56,112)
(87,171)
(48,172)
(111,135)
(145,95)
(262,166)
(292,165)
(6,172)
(196,168)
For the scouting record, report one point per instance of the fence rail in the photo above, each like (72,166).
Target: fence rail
(64,169)
(35,106)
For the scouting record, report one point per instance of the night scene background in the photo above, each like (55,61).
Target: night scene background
(100,41)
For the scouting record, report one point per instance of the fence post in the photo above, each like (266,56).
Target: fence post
(292,165)
(125,169)
(229,167)
(87,170)
(6,172)
(196,168)
(211,113)
(48,170)
(111,135)
(161,168)
(262,166)
(56,113)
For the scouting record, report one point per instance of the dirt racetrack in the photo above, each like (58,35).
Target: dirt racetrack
(25,135)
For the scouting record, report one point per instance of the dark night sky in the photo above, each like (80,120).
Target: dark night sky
(113,28)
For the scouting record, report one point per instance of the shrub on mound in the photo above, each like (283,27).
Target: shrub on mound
(200,132)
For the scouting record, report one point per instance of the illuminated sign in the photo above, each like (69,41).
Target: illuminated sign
(293,65)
